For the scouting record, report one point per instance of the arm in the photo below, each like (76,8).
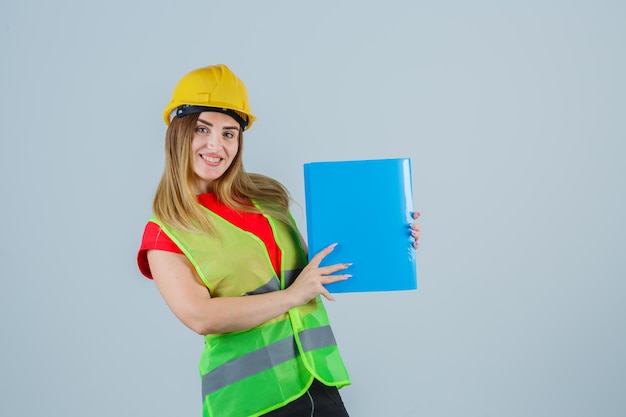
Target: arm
(190,301)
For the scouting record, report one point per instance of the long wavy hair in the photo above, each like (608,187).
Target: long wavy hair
(176,203)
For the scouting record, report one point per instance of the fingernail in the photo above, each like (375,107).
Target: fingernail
(348,276)
(348,264)
(332,246)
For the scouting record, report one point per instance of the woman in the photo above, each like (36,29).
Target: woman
(228,260)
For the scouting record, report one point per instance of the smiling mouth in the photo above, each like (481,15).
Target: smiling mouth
(210,159)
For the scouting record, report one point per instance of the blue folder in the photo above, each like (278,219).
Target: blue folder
(366,207)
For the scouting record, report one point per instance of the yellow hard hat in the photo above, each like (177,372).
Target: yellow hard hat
(212,88)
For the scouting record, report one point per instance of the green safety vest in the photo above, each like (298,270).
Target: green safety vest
(252,372)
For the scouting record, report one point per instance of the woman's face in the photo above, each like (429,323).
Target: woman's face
(214,146)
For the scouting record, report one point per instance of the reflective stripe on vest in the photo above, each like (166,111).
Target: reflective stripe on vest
(266,358)
(274,283)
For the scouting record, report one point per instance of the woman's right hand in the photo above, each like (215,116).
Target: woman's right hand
(310,283)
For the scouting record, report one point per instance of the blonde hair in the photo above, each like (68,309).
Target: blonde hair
(175,201)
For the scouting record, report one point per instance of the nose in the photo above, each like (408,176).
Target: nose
(212,141)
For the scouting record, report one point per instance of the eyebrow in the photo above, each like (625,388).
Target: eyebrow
(224,128)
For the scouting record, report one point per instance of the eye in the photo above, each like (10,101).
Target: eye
(229,134)
(202,130)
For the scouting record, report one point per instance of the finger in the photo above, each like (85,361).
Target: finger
(330,269)
(416,215)
(329,280)
(315,261)
(326,294)
(337,278)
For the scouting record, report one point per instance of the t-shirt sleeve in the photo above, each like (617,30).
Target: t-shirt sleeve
(153,238)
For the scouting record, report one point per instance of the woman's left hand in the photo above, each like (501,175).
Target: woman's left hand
(415,229)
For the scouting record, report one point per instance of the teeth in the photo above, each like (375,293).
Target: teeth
(206,158)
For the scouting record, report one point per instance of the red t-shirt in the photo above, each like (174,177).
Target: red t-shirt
(154,238)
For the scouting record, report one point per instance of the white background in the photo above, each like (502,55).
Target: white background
(513,114)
